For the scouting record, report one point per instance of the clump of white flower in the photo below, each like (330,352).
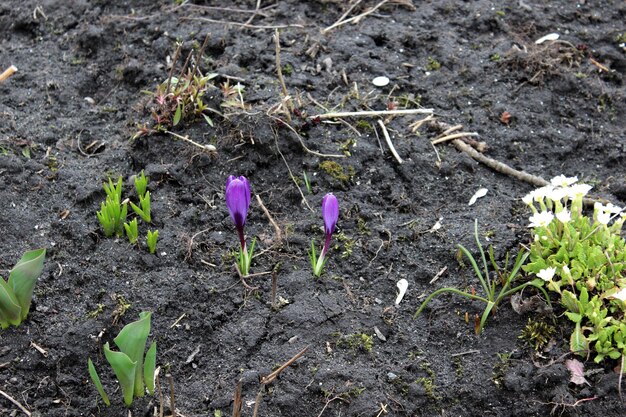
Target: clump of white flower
(541,219)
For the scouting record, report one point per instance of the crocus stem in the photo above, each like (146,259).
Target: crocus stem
(242,239)
(326,246)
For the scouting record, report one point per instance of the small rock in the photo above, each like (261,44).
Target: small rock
(391,376)
(380,81)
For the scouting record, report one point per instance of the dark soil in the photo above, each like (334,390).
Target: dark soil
(469,61)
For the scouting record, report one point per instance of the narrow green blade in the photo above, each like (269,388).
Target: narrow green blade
(132,341)
(24,276)
(149,367)
(96,380)
(125,370)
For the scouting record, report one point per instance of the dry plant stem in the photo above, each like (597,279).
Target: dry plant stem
(8,72)
(196,67)
(279,71)
(343,16)
(453,136)
(237,403)
(229,9)
(277,231)
(288,126)
(243,281)
(498,166)
(257,401)
(17,404)
(209,148)
(368,113)
(256,11)
(160,391)
(355,18)
(190,245)
(290,173)
(225,22)
(172,400)
(271,377)
(169,77)
(274,288)
(388,140)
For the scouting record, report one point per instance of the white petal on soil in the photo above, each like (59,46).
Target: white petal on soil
(380,81)
(478,194)
(436,226)
(548,37)
(402,285)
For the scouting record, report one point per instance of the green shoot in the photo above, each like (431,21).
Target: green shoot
(130,367)
(112,214)
(132,231)
(141,184)
(143,210)
(16,293)
(307,184)
(151,239)
(492,296)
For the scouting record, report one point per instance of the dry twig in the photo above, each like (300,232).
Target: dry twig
(369,113)
(277,231)
(389,143)
(245,25)
(8,72)
(14,401)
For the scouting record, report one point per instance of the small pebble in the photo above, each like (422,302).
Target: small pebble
(380,81)
(391,376)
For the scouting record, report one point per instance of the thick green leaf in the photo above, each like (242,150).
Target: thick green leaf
(10,311)
(576,318)
(570,302)
(132,342)
(578,343)
(24,276)
(125,371)
(96,380)
(149,367)
(177,114)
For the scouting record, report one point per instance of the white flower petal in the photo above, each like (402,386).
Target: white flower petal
(542,219)
(402,285)
(563,181)
(564,216)
(548,37)
(478,194)
(547,274)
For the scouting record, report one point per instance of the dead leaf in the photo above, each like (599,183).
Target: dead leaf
(577,371)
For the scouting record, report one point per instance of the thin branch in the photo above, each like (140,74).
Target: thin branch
(288,126)
(277,231)
(388,140)
(225,22)
(271,377)
(453,136)
(498,166)
(279,71)
(17,404)
(209,148)
(8,72)
(372,113)
(355,18)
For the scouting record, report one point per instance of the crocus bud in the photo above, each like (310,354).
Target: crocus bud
(330,213)
(238,201)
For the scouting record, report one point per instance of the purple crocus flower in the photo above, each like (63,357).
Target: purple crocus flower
(330,213)
(238,201)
